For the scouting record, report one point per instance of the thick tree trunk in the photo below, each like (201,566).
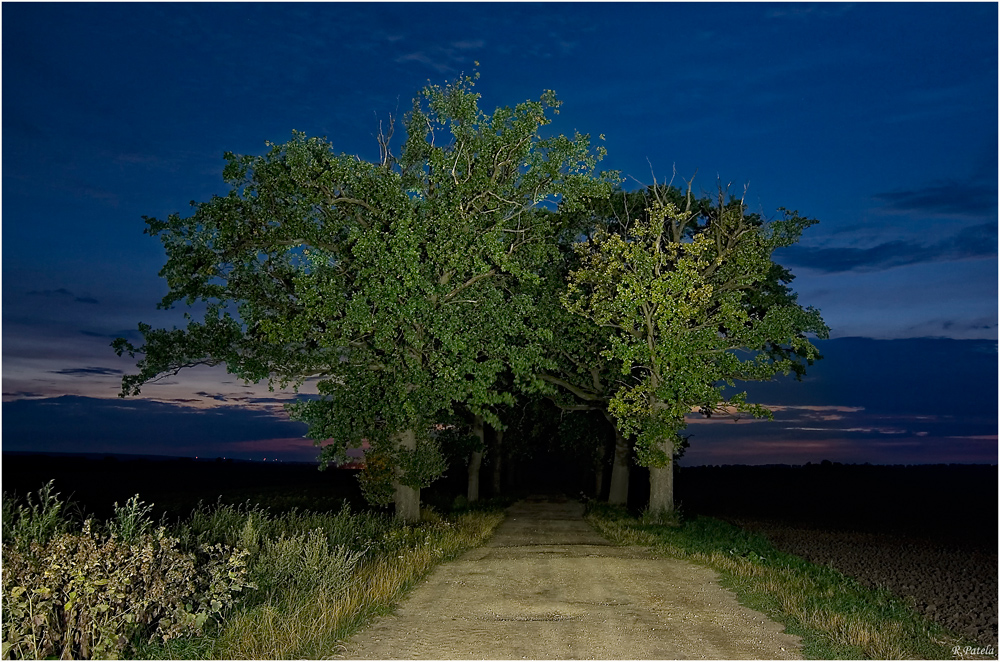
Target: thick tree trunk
(476,460)
(661,489)
(497,462)
(598,481)
(407,499)
(618,493)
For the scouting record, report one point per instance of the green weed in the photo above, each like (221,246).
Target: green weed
(132,520)
(38,520)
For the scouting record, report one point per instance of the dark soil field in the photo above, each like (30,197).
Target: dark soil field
(926,533)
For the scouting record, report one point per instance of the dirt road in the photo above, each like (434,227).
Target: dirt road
(548,587)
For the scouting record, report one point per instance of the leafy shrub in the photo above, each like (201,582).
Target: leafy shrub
(83,595)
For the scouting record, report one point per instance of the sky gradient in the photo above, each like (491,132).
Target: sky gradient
(880,120)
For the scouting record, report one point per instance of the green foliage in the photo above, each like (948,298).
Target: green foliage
(84,595)
(682,292)
(396,283)
(378,477)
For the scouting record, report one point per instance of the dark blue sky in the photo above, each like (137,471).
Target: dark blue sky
(880,120)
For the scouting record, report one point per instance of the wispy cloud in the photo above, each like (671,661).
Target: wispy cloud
(23,394)
(215,396)
(423,58)
(977,241)
(131,334)
(142,426)
(950,198)
(822,10)
(87,371)
(863,430)
(444,59)
(62,292)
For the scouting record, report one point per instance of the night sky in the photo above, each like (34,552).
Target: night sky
(880,120)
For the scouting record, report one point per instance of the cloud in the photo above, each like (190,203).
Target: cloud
(906,401)
(216,396)
(821,10)
(972,242)
(87,371)
(63,292)
(422,58)
(130,334)
(951,198)
(441,59)
(94,193)
(862,430)
(22,394)
(73,423)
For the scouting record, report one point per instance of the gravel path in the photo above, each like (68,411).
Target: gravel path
(548,587)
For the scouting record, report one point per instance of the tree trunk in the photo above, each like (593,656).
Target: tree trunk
(497,462)
(476,460)
(618,493)
(407,499)
(661,489)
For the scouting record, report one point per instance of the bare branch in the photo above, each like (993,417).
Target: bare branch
(578,407)
(573,388)
(385,154)
(467,284)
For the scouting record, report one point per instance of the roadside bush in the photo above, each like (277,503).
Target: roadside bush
(93,592)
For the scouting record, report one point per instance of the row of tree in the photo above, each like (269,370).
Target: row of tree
(429,290)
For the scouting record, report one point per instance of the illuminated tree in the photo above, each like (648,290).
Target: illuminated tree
(394,284)
(692,302)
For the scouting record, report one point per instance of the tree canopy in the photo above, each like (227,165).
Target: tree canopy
(391,283)
(693,304)
(485,260)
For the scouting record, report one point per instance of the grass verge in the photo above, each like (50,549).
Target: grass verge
(836,617)
(314,624)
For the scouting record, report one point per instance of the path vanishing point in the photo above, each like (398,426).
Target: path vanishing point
(547,586)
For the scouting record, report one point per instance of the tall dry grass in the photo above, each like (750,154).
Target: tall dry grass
(315,624)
